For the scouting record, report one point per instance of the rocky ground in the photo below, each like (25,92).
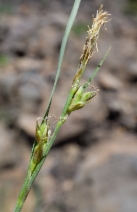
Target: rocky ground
(93,164)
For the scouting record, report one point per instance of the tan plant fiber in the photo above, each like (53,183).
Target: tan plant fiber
(93,34)
(91,41)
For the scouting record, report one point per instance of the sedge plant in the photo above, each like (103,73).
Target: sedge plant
(77,98)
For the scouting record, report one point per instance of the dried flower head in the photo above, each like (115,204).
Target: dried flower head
(91,41)
(93,34)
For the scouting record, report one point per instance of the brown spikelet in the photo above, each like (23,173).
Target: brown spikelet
(93,34)
(91,40)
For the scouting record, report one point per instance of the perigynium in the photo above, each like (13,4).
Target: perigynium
(77,99)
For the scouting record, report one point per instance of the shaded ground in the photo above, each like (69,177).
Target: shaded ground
(93,164)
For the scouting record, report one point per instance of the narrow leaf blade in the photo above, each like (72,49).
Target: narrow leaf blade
(62,50)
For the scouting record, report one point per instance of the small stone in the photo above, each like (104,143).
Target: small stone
(8,153)
(71,128)
(27,123)
(132,71)
(7,84)
(30,97)
(109,82)
(28,64)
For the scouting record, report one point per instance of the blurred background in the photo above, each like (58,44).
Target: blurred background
(92,166)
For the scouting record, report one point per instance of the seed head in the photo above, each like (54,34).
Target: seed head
(93,34)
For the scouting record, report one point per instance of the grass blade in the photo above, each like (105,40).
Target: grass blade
(62,50)
(96,70)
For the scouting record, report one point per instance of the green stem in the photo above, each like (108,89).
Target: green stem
(22,196)
(30,179)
